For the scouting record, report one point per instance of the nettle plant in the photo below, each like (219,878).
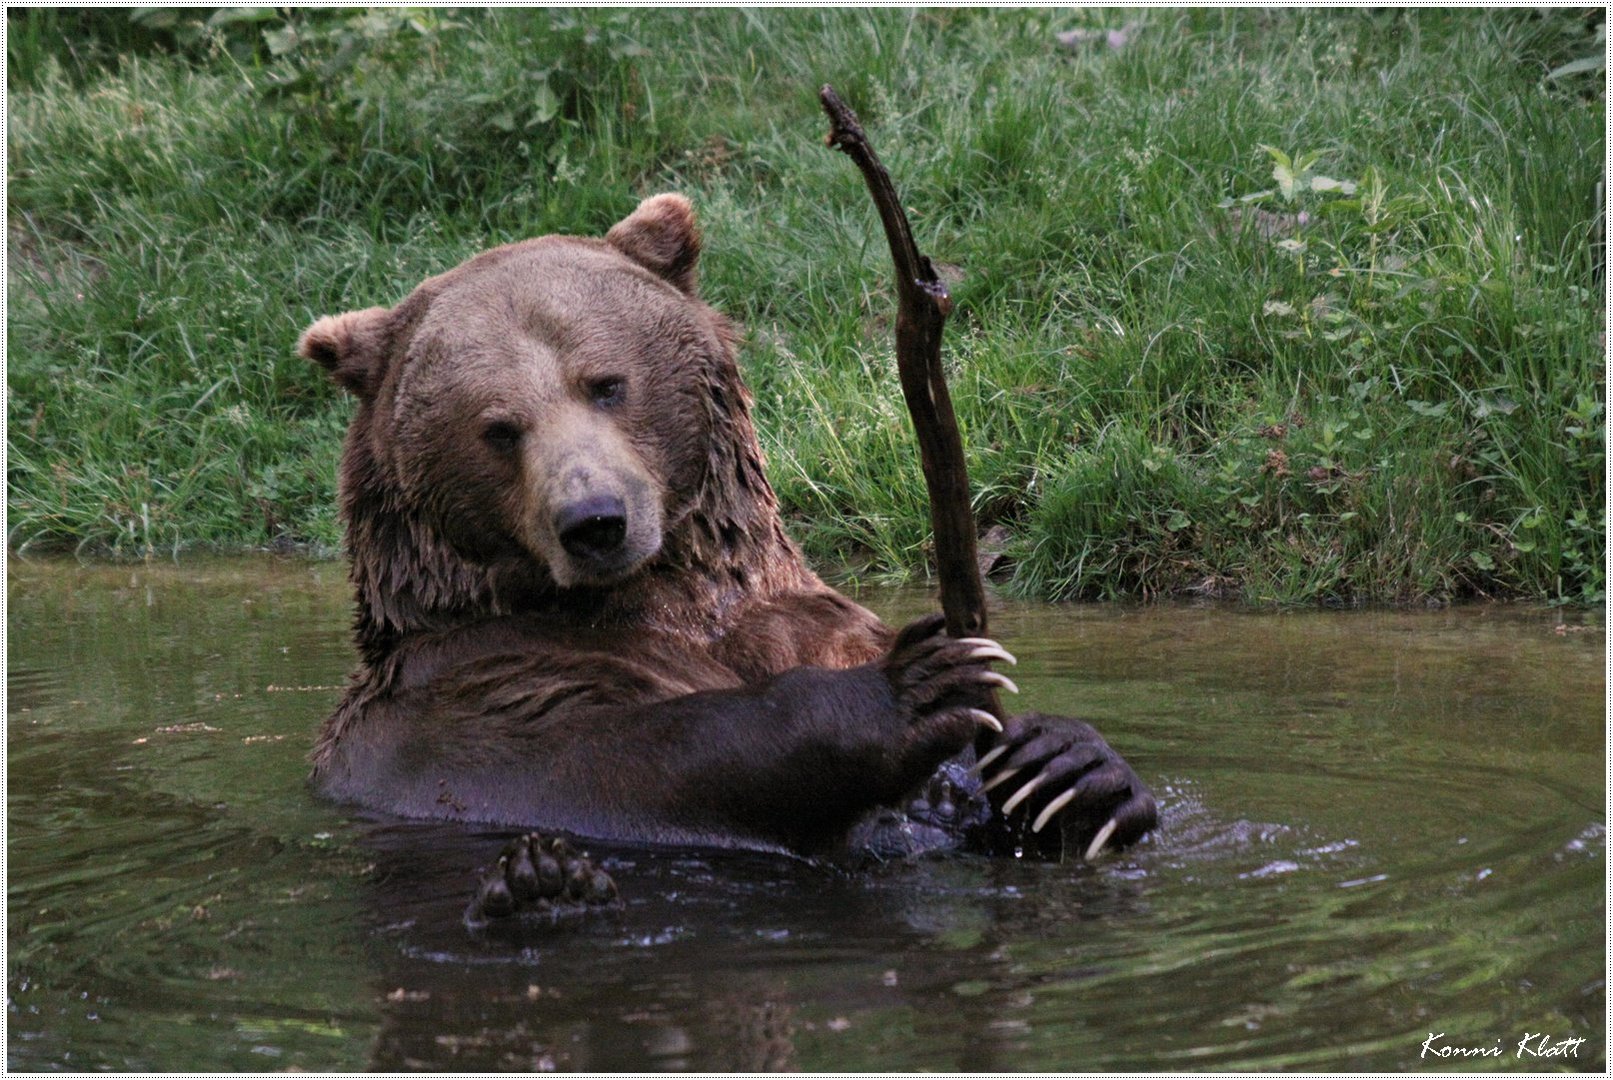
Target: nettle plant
(1361,261)
(1455,379)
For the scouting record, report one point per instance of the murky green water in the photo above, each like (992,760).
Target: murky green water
(1377,827)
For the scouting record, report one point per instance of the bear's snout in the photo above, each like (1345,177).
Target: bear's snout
(595,525)
(593,528)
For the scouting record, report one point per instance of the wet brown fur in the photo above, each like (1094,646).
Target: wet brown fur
(487,691)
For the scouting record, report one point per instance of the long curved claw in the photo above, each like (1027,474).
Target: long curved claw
(998,779)
(1095,848)
(1023,793)
(985,719)
(997,678)
(985,649)
(988,757)
(1058,803)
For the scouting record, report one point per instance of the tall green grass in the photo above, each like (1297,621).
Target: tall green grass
(1292,306)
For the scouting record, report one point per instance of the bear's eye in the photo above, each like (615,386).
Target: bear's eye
(608,391)
(502,436)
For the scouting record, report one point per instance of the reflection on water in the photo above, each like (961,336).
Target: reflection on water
(1378,826)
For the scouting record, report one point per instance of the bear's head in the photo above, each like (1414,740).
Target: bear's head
(565,406)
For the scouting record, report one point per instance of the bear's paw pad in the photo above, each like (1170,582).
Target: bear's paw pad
(543,876)
(951,799)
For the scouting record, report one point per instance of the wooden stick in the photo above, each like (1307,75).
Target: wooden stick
(922,309)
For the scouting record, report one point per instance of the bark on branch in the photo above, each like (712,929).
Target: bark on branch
(922,309)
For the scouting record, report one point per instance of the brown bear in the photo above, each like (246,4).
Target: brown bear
(578,610)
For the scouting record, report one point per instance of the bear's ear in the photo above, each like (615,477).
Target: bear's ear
(661,235)
(349,347)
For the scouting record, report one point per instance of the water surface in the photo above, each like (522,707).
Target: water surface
(1378,826)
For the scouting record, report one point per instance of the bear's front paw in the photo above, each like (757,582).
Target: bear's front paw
(1053,767)
(941,683)
(540,875)
(951,800)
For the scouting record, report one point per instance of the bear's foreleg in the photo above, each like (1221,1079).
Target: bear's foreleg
(807,753)
(554,739)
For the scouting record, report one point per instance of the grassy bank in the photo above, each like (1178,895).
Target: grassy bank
(1293,306)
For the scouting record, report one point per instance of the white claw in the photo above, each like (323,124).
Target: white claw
(1095,848)
(987,758)
(1059,803)
(985,719)
(999,778)
(997,678)
(1023,793)
(986,649)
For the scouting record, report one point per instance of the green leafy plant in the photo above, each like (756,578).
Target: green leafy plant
(1288,399)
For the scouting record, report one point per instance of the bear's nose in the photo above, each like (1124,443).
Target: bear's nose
(592,528)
